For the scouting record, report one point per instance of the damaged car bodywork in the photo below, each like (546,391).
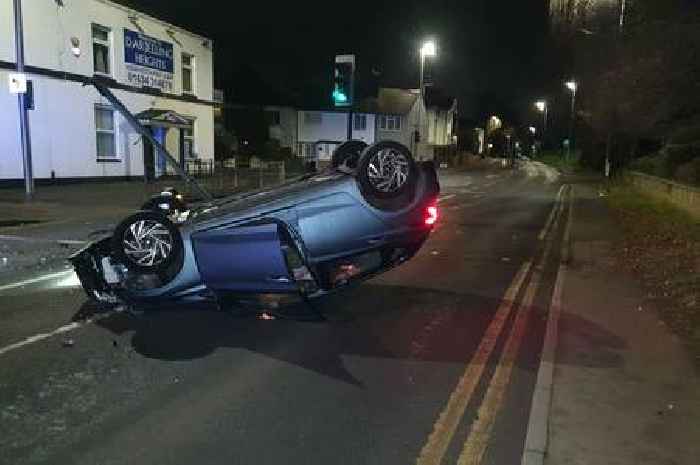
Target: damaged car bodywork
(371,210)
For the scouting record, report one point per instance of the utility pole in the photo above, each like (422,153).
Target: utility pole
(25,138)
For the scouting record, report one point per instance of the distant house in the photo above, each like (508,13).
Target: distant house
(395,114)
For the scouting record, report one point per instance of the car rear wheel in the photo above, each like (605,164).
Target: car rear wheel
(348,154)
(147,241)
(386,171)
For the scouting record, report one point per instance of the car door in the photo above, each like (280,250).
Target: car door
(245,258)
(338,225)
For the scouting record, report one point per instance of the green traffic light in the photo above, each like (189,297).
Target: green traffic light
(339,96)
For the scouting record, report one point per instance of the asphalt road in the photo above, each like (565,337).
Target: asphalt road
(431,363)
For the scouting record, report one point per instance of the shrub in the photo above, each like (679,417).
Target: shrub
(686,135)
(689,172)
(677,155)
(654,165)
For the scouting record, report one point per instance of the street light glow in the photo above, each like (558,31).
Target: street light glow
(429,49)
(572,85)
(541,105)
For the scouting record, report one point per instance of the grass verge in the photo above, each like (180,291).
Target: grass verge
(565,165)
(662,246)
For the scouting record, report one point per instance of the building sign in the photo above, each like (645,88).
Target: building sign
(149,61)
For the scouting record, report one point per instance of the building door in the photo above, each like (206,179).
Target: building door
(154,165)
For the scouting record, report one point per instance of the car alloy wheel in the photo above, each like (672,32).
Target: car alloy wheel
(388,170)
(148,243)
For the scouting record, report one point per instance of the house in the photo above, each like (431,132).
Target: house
(442,118)
(395,114)
(162,73)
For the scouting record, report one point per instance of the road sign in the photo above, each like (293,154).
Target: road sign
(17,83)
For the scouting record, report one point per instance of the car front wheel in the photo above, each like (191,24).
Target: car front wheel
(147,241)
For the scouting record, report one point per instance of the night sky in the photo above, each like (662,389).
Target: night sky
(492,55)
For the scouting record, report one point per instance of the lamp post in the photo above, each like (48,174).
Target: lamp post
(428,49)
(543,108)
(573,87)
(25,139)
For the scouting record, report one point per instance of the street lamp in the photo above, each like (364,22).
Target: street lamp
(573,87)
(428,49)
(543,108)
(533,130)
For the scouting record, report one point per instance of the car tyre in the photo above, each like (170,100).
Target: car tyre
(147,241)
(387,171)
(348,153)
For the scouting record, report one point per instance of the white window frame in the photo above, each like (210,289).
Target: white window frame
(192,66)
(360,127)
(113,132)
(105,43)
(384,122)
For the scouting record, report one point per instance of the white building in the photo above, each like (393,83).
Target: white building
(396,114)
(157,70)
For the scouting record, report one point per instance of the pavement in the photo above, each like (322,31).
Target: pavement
(625,389)
(439,361)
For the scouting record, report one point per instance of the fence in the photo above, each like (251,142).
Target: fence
(226,177)
(684,197)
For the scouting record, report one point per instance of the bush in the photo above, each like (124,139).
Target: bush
(688,173)
(686,135)
(679,155)
(654,165)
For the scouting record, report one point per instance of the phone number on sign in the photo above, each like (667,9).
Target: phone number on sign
(150,81)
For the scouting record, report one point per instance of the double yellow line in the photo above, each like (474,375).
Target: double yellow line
(447,423)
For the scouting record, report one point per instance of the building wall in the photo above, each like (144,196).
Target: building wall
(440,129)
(331,126)
(64,137)
(285,132)
(367,136)
(63,123)
(416,119)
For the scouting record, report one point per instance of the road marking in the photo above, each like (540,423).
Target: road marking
(543,233)
(444,198)
(35,240)
(536,438)
(46,277)
(480,433)
(446,424)
(444,428)
(62,330)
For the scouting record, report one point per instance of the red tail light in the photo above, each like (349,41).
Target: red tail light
(431,215)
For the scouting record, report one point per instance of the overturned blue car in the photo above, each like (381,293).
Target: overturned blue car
(369,211)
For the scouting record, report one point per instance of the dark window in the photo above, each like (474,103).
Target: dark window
(360,123)
(273,117)
(101,42)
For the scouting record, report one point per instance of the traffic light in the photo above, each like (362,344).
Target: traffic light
(343,72)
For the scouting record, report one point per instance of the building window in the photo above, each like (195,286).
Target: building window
(313,117)
(390,123)
(105,133)
(273,117)
(188,142)
(101,44)
(360,122)
(187,74)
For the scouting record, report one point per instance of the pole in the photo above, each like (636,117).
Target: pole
(414,143)
(25,137)
(573,120)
